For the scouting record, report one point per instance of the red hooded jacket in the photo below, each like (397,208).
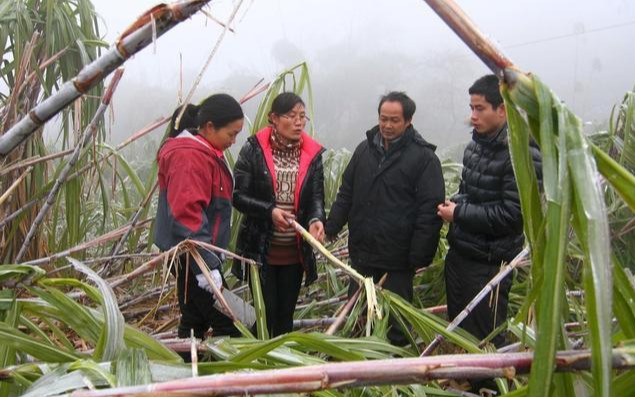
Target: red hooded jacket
(195,192)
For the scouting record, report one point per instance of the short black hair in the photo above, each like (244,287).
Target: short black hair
(284,102)
(488,86)
(220,109)
(407,104)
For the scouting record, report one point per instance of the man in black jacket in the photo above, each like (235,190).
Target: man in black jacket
(486,219)
(389,194)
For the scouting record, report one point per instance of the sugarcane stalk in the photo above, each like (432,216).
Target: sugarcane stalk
(14,185)
(144,296)
(133,223)
(213,18)
(367,282)
(193,354)
(84,246)
(341,316)
(61,179)
(489,287)
(365,373)
(223,251)
(144,268)
(177,249)
(313,322)
(142,132)
(463,26)
(19,211)
(35,160)
(198,79)
(162,17)
(198,259)
(325,302)
(130,314)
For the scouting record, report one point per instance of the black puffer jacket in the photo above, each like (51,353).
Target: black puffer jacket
(390,206)
(488,223)
(254,197)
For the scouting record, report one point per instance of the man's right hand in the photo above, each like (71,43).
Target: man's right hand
(281,219)
(446,210)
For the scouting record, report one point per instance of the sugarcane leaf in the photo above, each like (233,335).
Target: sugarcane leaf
(68,377)
(426,325)
(8,272)
(623,299)
(259,302)
(133,368)
(130,172)
(111,338)
(591,227)
(551,290)
(627,117)
(525,174)
(17,340)
(310,341)
(155,350)
(620,179)
(10,317)
(624,384)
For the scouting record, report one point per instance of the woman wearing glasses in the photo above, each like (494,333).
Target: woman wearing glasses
(279,178)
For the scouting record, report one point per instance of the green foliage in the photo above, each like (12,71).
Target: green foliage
(45,43)
(575,203)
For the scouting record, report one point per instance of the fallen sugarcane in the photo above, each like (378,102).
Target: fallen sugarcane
(373,309)
(152,24)
(364,373)
(489,288)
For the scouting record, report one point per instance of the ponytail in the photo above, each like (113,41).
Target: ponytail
(220,109)
(188,120)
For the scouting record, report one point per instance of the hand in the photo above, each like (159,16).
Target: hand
(281,219)
(216,278)
(317,231)
(446,210)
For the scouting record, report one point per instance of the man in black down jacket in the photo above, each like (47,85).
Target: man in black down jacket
(389,194)
(487,223)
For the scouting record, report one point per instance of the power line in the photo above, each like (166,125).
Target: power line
(564,36)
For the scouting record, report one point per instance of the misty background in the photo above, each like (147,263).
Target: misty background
(358,50)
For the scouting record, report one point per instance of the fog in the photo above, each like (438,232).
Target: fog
(358,50)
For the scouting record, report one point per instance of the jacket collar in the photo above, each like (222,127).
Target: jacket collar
(500,138)
(411,135)
(308,151)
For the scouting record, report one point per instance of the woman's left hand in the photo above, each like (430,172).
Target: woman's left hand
(317,231)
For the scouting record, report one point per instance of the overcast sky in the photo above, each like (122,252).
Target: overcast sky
(359,49)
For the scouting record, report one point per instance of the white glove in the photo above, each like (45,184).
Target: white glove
(216,277)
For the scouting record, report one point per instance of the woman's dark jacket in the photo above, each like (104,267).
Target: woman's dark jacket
(254,196)
(488,222)
(389,200)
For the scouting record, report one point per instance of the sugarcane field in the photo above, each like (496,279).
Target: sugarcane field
(317,198)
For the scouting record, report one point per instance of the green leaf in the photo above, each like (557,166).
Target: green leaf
(17,340)
(133,368)
(259,302)
(111,338)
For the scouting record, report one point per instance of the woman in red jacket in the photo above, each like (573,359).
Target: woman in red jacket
(279,177)
(195,193)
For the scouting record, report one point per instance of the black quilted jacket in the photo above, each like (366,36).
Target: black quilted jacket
(488,223)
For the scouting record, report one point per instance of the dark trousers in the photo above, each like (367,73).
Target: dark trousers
(196,305)
(464,279)
(397,281)
(280,290)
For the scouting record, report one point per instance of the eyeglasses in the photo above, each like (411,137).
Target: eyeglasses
(299,116)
